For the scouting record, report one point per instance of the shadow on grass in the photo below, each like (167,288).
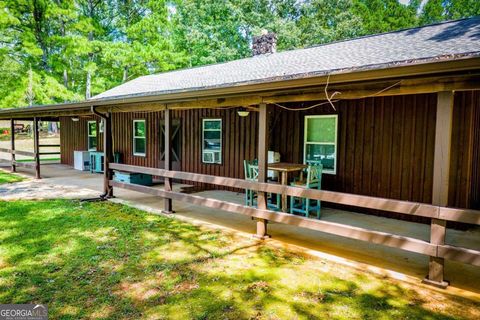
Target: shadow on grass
(102,260)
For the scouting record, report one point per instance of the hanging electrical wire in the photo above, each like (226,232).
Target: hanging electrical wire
(329,97)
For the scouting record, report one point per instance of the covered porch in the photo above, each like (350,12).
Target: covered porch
(418,186)
(390,261)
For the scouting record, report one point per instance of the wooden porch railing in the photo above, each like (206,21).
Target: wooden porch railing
(36,149)
(461,254)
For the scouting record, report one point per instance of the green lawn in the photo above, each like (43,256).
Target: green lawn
(103,260)
(6,177)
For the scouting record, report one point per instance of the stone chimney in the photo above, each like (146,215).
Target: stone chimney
(264,43)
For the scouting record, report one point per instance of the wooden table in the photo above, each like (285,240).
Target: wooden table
(284,168)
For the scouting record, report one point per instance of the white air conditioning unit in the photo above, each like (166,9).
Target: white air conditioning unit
(211,156)
(81,160)
(273,157)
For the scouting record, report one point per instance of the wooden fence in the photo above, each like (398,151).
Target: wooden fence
(461,254)
(35,156)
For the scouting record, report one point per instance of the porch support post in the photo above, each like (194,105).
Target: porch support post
(36,147)
(107,154)
(12,143)
(168,158)
(441,172)
(262,167)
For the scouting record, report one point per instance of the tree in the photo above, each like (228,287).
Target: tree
(385,15)
(325,21)
(26,30)
(441,10)
(143,43)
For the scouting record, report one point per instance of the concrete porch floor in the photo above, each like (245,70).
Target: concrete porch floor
(394,262)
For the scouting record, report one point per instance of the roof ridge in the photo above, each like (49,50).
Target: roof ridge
(386,32)
(308,47)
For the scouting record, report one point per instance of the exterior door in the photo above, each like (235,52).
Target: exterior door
(176,144)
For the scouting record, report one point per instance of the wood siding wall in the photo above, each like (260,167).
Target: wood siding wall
(385,144)
(73,136)
(465,164)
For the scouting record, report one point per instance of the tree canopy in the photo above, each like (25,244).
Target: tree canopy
(67,50)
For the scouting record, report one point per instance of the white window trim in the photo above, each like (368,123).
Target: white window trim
(334,171)
(89,136)
(139,154)
(203,140)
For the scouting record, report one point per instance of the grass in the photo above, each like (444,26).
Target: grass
(9,177)
(107,261)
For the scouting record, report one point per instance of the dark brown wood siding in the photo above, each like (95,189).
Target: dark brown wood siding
(385,144)
(73,136)
(465,164)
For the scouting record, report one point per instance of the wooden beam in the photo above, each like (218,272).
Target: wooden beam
(12,144)
(107,155)
(243,100)
(443,141)
(46,114)
(441,172)
(461,215)
(36,143)
(391,205)
(168,158)
(459,254)
(18,152)
(386,88)
(138,107)
(25,164)
(262,167)
(347,231)
(49,153)
(49,145)
(384,204)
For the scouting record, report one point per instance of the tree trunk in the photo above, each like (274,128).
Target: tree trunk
(65,78)
(88,85)
(125,74)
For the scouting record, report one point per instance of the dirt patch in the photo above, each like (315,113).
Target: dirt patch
(37,189)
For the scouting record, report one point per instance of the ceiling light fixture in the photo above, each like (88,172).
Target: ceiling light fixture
(243,112)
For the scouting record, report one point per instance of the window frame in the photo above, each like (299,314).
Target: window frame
(139,154)
(203,140)
(335,144)
(91,136)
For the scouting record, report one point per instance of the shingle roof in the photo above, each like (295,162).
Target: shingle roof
(445,41)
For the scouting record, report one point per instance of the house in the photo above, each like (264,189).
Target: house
(394,118)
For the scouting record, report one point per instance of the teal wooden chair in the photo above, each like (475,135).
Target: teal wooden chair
(251,174)
(306,206)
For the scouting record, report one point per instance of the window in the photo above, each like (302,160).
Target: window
(212,141)
(139,138)
(321,141)
(92,135)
